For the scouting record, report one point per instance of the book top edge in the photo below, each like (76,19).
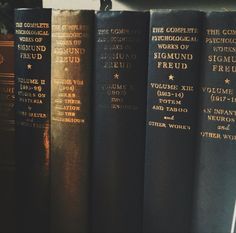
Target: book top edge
(131,11)
(74,10)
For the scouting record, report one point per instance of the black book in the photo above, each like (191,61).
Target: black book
(173,79)
(121,41)
(215,190)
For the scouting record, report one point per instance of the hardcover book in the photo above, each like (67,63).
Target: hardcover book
(7,97)
(215,189)
(7,118)
(173,80)
(71,85)
(121,40)
(33,75)
(6,85)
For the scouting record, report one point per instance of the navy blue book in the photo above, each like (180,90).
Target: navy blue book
(121,44)
(7,116)
(215,189)
(173,80)
(33,75)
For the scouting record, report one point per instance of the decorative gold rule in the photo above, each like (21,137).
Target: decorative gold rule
(6,43)
(7,75)
(6,83)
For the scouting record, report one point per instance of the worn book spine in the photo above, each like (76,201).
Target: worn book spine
(121,47)
(215,190)
(173,80)
(71,90)
(7,86)
(7,130)
(7,118)
(33,73)
(7,98)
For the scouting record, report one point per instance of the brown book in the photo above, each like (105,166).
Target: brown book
(72,46)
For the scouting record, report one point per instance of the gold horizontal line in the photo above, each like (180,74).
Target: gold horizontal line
(7,41)
(3,44)
(8,74)
(3,83)
(9,46)
(6,45)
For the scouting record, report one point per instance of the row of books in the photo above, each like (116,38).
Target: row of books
(125,121)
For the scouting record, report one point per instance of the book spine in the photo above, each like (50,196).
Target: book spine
(32,90)
(215,191)
(7,98)
(6,86)
(72,62)
(7,127)
(121,47)
(173,79)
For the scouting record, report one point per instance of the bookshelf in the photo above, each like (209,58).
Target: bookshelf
(7,175)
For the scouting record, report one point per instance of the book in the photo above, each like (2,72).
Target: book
(215,188)
(7,118)
(173,80)
(6,85)
(33,76)
(71,90)
(121,47)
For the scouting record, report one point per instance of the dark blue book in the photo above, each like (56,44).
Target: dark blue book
(32,104)
(173,80)
(121,44)
(7,118)
(215,189)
